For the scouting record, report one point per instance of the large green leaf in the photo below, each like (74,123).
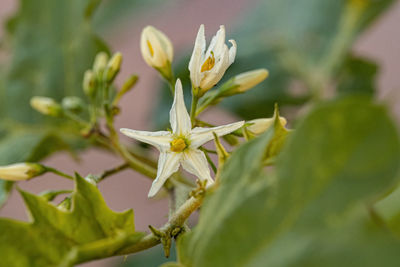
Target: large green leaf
(52,45)
(311,211)
(58,237)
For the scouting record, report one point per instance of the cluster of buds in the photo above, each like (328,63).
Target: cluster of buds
(104,70)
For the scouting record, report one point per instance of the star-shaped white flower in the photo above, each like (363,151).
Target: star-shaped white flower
(181,146)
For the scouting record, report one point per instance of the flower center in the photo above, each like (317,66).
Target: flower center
(178,145)
(209,63)
(150,48)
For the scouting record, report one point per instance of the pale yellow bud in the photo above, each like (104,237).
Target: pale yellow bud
(248,80)
(72,103)
(113,67)
(258,126)
(46,105)
(100,62)
(156,48)
(21,171)
(89,83)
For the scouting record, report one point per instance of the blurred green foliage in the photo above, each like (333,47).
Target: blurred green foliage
(52,44)
(313,211)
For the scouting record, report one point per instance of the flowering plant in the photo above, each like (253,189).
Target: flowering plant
(318,188)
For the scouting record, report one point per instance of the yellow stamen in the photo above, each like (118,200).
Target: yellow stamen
(178,145)
(209,63)
(150,48)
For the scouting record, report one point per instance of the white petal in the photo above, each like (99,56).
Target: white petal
(168,163)
(161,140)
(197,57)
(216,43)
(167,44)
(195,162)
(200,136)
(232,51)
(213,76)
(159,58)
(145,48)
(178,116)
(219,45)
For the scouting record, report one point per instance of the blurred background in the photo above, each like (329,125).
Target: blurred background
(293,39)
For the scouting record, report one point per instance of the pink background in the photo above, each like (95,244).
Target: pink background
(129,189)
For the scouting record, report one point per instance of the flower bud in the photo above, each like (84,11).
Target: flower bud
(72,103)
(126,87)
(46,106)
(100,63)
(89,83)
(113,67)
(156,48)
(246,81)
(21,171)
(258,126)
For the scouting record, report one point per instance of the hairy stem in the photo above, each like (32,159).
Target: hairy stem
(112,171)
(59,173)
(177,220)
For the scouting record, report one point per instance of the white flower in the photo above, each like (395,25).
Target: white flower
(180,147)
(20,171)
(258,126)
(156,48)
(207,67)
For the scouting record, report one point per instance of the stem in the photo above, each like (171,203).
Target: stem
(112,171)
(208,102)
(75,118)
(133,162)
(195,100)
(177,220)
(209,160)
(60,173)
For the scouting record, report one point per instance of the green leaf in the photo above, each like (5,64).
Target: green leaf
(52,45)
(389,209)
(311,210)
(5,190)
(58,237)
(357,75)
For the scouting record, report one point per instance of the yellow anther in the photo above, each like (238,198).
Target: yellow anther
(178,145)
(209,63)
(150,48)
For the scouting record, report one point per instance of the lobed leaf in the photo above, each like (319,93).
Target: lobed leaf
(58,237)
